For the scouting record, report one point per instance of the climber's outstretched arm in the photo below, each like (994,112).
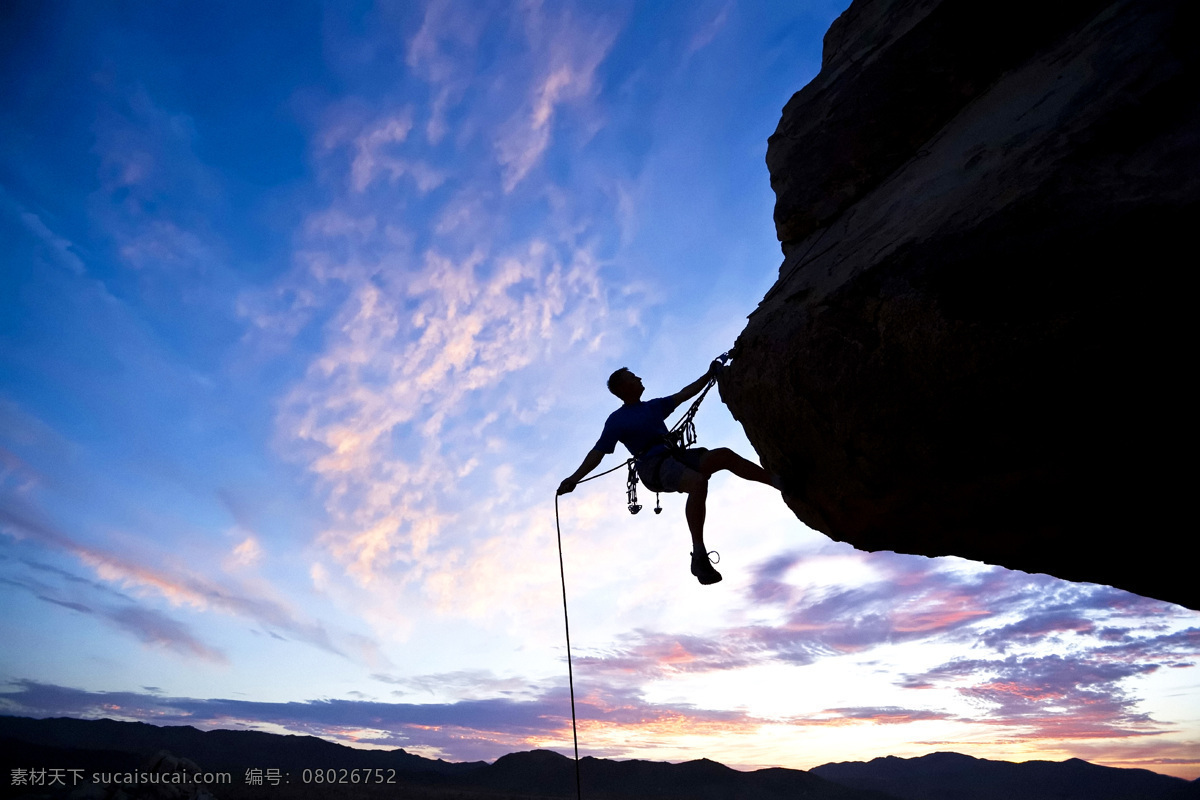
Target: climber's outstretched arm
(590,462)
(694,388)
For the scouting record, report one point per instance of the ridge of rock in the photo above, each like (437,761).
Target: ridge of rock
(978,340)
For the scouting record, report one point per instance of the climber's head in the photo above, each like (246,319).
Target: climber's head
(625,385)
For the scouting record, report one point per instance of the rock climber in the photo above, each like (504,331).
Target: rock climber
(662,466)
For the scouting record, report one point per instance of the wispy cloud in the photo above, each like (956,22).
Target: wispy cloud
(874,715)
(62,249)
(148,625)
(177,587)
(1005,619)
(376,155)
(408,357)
(246,553)
(1051,697)
(155,628)
(444,51)
(703,37)
(155,191)
(465,684)
(567,52)
(424,343)
(465,730)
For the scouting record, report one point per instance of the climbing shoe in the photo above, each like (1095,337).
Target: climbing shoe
(702,568)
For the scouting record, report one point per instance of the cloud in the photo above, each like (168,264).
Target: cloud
(1037,626)
(1152,753)
(28,432)
(465,684)
(465,730)
(444,51)
(71,577)
(643,655)
(177,587)
(80,607)
(147,625)
(703,37)
(441,335)
(874,715)
(1078,695)
(1073,610)
(1084,689)
(1052,697)
(405,354)
(62,248)
(246,553)
(337,223)
(909,599)
(567,54)
(156,198)
(376,155)
(370,145)
(155,628)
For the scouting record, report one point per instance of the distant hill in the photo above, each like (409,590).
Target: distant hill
(952,776)
(552,775)
(107,746)
(219,749)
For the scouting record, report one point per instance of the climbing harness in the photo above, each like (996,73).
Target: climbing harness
(680,437)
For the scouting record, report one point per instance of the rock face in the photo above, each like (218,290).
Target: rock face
(979,340)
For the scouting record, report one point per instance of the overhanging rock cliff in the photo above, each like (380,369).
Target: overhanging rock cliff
(979,343)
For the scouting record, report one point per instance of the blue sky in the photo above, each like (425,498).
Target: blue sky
(305,311)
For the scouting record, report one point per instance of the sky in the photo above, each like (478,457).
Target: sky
(305,311)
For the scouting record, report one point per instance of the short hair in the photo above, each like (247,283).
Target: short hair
(615,378)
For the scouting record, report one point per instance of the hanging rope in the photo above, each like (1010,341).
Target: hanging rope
(683,435)
(567,626)
(562,572)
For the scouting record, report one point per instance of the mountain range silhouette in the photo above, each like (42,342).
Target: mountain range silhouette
(111,748)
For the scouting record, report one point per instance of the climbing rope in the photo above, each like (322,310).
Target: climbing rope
(562,572)
(567,626)
(682,435)
(684,432)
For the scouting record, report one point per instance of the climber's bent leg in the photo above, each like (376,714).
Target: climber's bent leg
(724,458)
(696,485)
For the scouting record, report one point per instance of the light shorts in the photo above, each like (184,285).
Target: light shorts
(663,473)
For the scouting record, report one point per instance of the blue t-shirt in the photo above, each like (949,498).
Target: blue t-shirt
(640,427)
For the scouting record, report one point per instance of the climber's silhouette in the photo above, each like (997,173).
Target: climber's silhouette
(663,466)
